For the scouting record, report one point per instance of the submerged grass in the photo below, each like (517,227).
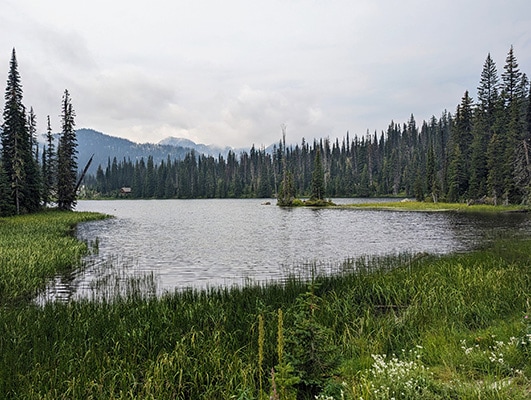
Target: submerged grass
(410,327)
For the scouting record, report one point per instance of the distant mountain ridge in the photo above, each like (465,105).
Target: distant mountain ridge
(210,150)
(106,147)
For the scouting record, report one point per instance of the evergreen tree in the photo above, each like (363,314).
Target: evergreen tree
(317,178)
(511,78)
(496,179)
(513,94)
(6,205)
(523,157)
(286,194)
(67,157)
(484,119)
(16,142)
(33,182)
(457,177)
(461,141)
(432,182)
(49,166)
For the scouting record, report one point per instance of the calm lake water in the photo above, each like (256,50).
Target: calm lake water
(201,243)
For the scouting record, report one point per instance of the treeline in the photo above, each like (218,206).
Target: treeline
(364,167)
(28,182)
(480,153)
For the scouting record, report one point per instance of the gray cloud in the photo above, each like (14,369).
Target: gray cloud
(232,72)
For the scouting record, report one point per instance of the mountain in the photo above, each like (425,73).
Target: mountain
(106,147)
(209,150)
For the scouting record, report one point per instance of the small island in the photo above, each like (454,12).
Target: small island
(286,196)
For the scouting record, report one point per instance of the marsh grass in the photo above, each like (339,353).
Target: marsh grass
(401,327)
(429,206)
(34,248)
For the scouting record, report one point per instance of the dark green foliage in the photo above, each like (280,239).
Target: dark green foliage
(33,183)
(18,155)
(49,166)
(317,178)
(496,177)
(6,205)
(26,186)
(66,157)
(309,346)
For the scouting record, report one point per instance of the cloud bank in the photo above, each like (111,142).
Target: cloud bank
(231,73)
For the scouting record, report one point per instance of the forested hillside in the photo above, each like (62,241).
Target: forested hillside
(101,146)
(481,152)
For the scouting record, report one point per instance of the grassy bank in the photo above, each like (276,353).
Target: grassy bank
(428,206)
(412,327)
(35,247)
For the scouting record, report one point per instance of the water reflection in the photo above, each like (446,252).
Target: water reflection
(482,228)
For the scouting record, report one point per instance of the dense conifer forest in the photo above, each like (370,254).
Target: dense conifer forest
(479,153)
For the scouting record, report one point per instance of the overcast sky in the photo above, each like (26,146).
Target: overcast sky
(232,72)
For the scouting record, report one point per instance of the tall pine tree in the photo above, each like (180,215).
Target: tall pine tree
(33,183)
(484,118)
(317,178)
(17,148)
(49,166)
(67,157)
(513,94)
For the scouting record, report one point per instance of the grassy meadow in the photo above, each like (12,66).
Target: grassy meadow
(403,327)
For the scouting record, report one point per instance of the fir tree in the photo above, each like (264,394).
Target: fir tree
(33,183)
(286,194)
(495,159)
(461,141)
(511,78)
(484,118)
(66,157)
(6,205)
(16,142)
(432,182)
(513,95)
(49,166)
(317,178)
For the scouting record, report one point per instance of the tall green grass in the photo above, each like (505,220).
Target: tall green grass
(414,327)
(35,247)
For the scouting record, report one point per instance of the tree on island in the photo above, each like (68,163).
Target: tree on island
(286,194)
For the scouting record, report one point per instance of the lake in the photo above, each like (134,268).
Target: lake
(202,243)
